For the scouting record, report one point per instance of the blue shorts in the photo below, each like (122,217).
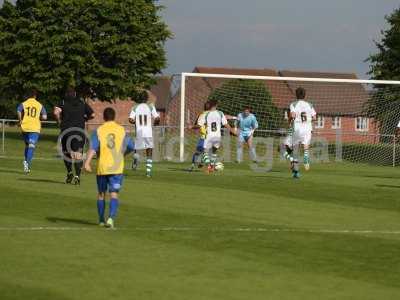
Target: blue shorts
(30,137)
(112,183)
(243,138)
(200,145)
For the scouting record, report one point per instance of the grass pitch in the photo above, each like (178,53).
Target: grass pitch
(333,234)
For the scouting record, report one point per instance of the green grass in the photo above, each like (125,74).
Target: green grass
(294,246)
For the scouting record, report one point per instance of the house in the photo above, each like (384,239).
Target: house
(340,106)
(158,93)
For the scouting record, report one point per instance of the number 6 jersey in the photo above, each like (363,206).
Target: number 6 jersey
(304,113)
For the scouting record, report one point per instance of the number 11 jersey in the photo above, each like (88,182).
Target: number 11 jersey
(143,114)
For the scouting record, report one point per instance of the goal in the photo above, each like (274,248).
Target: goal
(356,119)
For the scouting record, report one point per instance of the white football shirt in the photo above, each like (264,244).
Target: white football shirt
(213,120)
(143,114)
(304,113)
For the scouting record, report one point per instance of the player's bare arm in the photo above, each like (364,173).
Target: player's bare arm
(156,121)
(19,118)
(90,117)
(57,114)
(231,129)
(91,153)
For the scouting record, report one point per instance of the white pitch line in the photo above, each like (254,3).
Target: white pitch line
(204,229)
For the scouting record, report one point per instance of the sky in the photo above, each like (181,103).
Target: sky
(315,35)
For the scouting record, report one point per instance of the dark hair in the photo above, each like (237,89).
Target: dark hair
(300,93)
(141,97)
(109,114)
(207,105)
(70,92)
(32,93)
(246,107)
(213,103)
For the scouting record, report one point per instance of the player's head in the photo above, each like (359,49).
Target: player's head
(300,93)
(141,97)
(33,93)
(213,104)
(207,106)
(70,92)
(246,110)
(109,114)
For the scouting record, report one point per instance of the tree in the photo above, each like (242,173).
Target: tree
(384,105)
(234,94)
(107,49)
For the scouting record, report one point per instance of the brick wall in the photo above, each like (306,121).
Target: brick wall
(122,109)
(349,132)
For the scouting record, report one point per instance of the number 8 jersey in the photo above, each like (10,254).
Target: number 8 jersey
(213,121)
(110,142)
(304,113)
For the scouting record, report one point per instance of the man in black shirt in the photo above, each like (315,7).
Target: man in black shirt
(72,114)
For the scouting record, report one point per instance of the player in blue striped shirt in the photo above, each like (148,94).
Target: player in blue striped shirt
(247,124)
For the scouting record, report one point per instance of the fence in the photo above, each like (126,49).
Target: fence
(333,145)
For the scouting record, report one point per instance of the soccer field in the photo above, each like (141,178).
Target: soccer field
(333,234)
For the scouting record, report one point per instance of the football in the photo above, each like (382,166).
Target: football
(219,166)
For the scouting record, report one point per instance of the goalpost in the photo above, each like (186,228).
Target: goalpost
(356,119)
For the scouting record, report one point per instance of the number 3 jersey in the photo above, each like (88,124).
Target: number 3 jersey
(31,111)
(110,141)
(304,113)
(213,121)
(143,114)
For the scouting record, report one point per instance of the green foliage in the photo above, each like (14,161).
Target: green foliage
(8,109)
(235,94)
(105,48)
(385,64)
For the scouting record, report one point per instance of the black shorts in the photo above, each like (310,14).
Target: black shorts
(73,141)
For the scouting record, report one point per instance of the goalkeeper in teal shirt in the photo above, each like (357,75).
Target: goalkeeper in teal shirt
(247,124)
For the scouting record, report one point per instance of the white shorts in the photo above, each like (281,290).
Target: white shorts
(299,137)
(212,142)
(142,143)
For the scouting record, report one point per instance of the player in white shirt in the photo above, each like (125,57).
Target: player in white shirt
(143,115)
(301,117)
(213,120)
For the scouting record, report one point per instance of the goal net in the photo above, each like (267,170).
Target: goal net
(356,119)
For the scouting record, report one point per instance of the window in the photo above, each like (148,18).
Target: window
(286,115)
(320,123)
(362,124)
(336,122)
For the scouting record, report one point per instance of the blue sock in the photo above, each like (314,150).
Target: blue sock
(26,153)
(101,206)
(29,154)
(113,207)
(194,157)
(306,157)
